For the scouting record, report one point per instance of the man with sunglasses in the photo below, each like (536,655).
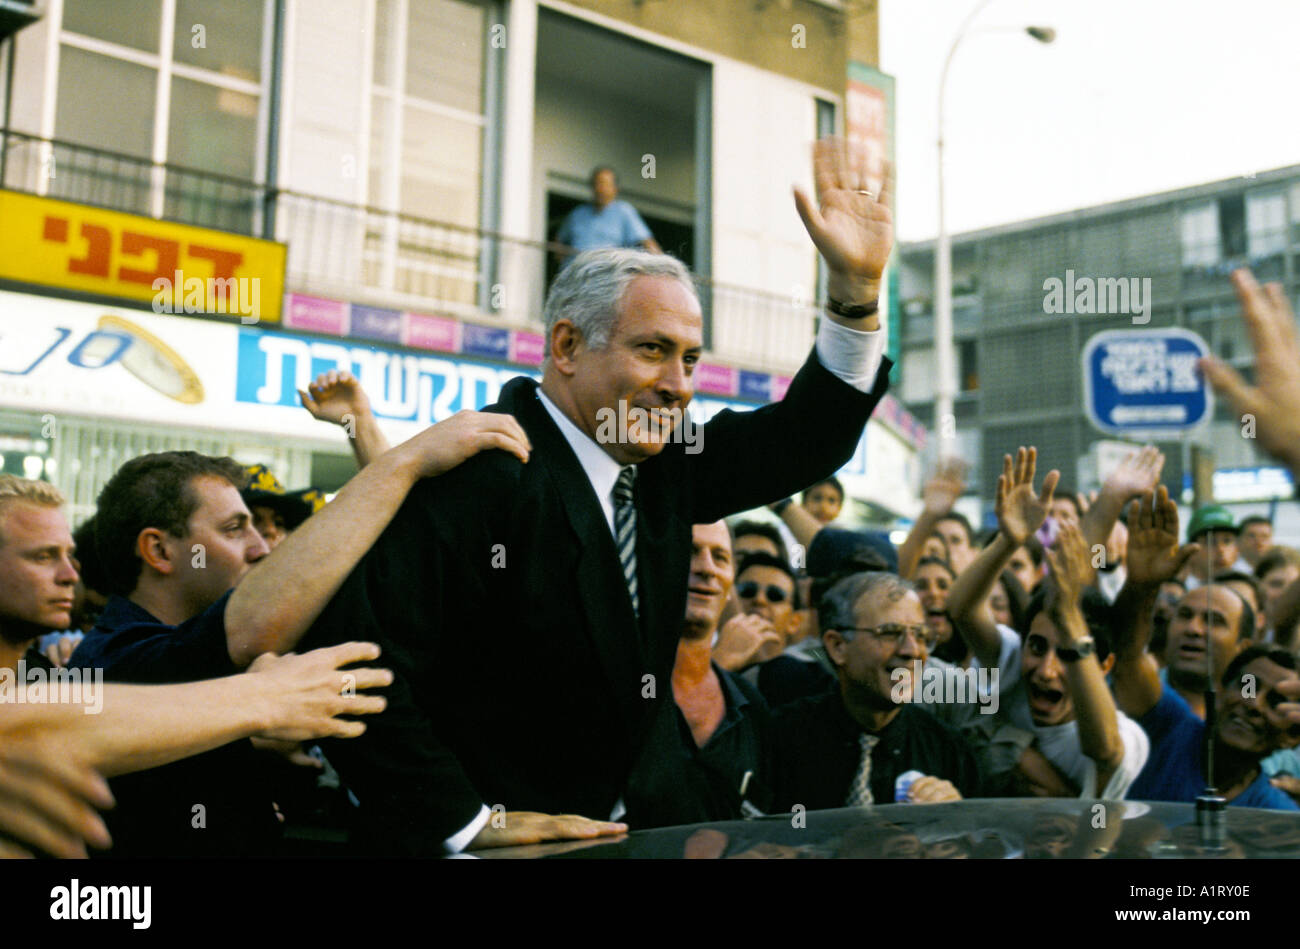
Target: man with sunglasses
(852,744)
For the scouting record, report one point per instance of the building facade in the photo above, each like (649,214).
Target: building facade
(414,158)
(1019,377)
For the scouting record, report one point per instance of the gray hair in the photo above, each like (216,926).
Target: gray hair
(836,610)
(589,292)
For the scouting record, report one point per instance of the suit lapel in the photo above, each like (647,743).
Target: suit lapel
(607,607)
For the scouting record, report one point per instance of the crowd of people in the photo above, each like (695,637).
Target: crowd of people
(510,629)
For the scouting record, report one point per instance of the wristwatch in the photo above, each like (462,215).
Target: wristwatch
(852,311)
(1082,647)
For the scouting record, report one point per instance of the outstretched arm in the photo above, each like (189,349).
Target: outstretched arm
(1137,474)
(1274,401)
(290,698)
(940,494)
(1094,707)
(1153,557)
(1020,512)
(278,600)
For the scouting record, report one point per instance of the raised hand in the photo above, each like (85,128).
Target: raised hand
(305,694)
(852,228)
(946,486)
(932,790)
(1153,554)
(443,446)
(1019,510)
(334,395)
(1139,473)
(1071,570)
(1274,400)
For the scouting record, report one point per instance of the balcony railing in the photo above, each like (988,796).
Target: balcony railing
(382,257)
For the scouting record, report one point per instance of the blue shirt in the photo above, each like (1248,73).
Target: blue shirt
(1176,769)
(615,225)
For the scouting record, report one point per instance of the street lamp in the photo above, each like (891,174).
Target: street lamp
(945,422)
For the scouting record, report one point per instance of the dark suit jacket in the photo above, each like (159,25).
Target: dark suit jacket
(815,743)
(523,678)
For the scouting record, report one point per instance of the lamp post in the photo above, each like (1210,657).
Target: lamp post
(945,422)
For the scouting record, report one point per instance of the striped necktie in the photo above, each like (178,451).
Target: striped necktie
(625,531)
(860,789)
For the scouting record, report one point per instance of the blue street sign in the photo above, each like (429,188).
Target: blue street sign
(1144,382)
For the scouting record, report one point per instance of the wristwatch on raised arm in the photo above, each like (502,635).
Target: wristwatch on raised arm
(1082,647)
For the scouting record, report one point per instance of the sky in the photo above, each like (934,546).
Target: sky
(1134,97)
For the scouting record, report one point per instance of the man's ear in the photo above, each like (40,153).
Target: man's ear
(565,344)
(836,647)
(151,546)
(1108,664)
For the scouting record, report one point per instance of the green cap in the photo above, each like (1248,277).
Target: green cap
(1212,517)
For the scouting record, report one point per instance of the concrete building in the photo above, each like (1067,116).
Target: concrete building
(1018,367)
(414,157)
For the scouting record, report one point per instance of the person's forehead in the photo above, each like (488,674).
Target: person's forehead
(1043,625)
(952,531)
(27,523)
(1215,598)
(661,306)
(764,574)
(217,497)
(711,535)
(932,573)
(756,542)
(1268,673)
(878,607)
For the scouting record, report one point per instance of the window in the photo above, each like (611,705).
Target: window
(1201,236)
(1265,224)
(111,60)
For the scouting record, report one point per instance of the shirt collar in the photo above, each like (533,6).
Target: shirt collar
(602,470)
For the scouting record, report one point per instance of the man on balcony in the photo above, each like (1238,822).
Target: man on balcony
(606,222)
(531,611)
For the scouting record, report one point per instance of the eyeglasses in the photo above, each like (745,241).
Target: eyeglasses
(749,589)
(896,633)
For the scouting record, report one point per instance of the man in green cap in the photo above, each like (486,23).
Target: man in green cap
(1212,527)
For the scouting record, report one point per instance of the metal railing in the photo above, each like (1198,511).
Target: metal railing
(381,257)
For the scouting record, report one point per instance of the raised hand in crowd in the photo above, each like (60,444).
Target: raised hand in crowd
(940,493)
(1020,511)
(276,603)
(336,396)
(1153,557)
(745,640)
(1274,401)
(48,800)
(1094,707)
(932,790)
(1137,474)
(60,650)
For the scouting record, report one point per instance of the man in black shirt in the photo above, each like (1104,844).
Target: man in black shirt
(851,744)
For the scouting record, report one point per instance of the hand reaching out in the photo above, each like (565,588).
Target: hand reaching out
(48,801)
(1274,400)
(946,486)
(1153,554)
(334,396)
(305,693)
(1019,510)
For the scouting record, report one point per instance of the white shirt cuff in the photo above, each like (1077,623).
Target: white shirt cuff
(852,355)
(460,840)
